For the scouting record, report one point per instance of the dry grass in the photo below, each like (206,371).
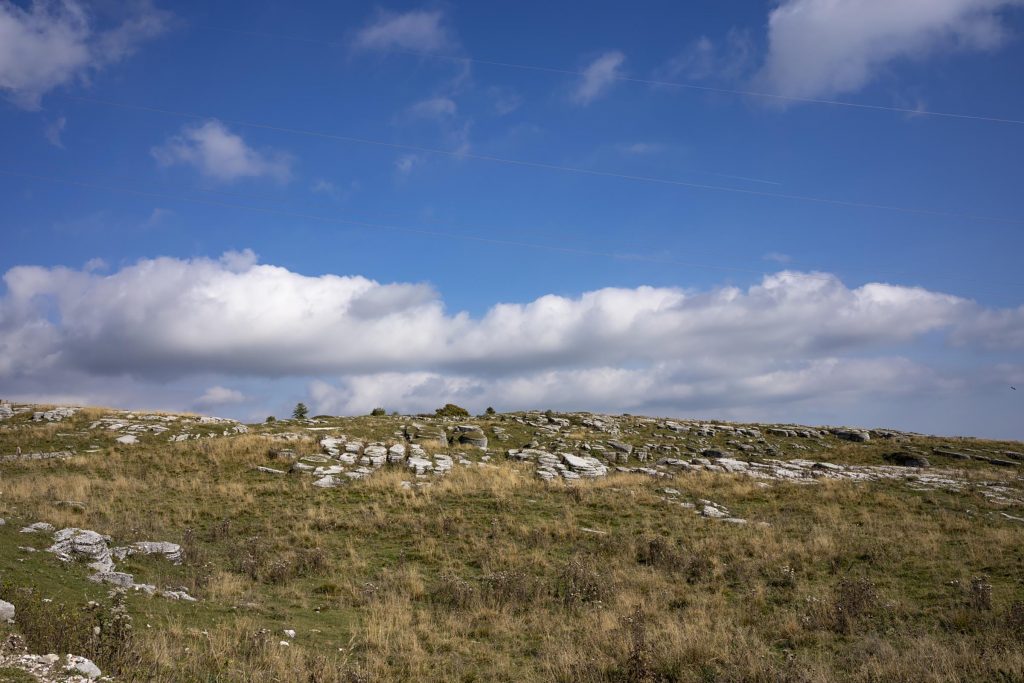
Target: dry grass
(491,575)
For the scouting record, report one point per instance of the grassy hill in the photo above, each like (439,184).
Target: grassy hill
(656,550)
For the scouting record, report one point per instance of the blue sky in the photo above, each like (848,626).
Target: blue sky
(233,207)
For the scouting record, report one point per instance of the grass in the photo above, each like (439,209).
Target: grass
(492,575)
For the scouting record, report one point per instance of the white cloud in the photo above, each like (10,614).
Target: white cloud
(777,257)
(705,59)
(218,396)
(599,76)
(794,341)
(220,154)
(821,48)
(416,31)
(405,163)
(54,130)
(434,108)
(156,217)
(641,148)
(50,44)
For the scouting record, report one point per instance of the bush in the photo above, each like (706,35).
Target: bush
(378,412)
(451,410)
(490,411)
(271,418)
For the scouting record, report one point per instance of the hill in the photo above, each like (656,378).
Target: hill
(507,547)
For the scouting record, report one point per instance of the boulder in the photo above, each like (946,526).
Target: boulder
(857,435)
(72,543)
(473,437)
(904,459)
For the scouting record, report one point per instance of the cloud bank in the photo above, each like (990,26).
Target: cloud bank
(792,339)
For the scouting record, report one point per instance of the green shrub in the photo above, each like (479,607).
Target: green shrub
(451,410)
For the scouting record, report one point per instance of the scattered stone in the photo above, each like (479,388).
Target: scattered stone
(37,527)
(127,439)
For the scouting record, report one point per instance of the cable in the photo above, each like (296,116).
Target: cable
(372,226)
(556,167)
(385,226)
(645,81)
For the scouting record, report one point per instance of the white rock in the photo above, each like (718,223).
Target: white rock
(71,542)
(83,667)
(6,611)
(127,439)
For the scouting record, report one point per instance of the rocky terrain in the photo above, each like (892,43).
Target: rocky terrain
(203,525)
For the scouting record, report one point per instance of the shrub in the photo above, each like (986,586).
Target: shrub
(490,411)
(378,412)
(451,410)
(580,582)
(271,418)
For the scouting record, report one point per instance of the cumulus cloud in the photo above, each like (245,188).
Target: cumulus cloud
(792,339)
(220,154)
(416,31)
(598,77)
(217,396)
(49,44)
(820,48)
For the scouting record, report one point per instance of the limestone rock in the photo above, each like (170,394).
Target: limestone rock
(904,459)
(72,543)
(6,611)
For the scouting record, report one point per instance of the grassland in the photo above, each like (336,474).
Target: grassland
(489,574)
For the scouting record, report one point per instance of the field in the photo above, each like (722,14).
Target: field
(865,572)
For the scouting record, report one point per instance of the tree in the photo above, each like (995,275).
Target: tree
(451,410)
(300,412)
(489,411)
(377,412)
(271,418)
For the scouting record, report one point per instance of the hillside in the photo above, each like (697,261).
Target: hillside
(505,547)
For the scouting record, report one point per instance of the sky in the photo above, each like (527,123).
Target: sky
(802,211)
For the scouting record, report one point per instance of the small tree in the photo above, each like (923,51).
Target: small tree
(489,411)
(300,412)
(378,412)
(271,418)
(451,410)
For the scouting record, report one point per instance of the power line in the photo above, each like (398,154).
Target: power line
(556,167)
(646,81)
(375,227)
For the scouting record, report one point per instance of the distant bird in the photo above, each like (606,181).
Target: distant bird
(1014,388)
